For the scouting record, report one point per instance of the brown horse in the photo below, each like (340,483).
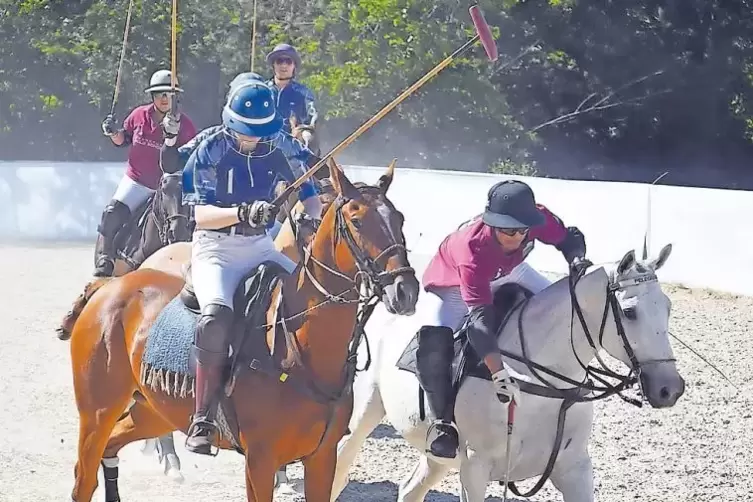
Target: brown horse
(292,405)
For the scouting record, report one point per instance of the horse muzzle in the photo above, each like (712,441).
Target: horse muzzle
(401,295)
(662,384)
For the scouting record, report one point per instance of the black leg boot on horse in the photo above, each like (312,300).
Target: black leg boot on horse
(434,371)
(211,354)
(114,217)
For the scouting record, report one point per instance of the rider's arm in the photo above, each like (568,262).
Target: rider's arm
(309,102)
(124,137)
(568,240)
(199,188)
(213,217)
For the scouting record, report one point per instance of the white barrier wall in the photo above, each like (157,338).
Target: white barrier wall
(707,227)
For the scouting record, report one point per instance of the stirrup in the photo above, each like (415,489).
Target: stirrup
(442,428)
(207,425)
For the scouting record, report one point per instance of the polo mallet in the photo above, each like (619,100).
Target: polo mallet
(174,59)
(510,422)
(127,30)
(483,33)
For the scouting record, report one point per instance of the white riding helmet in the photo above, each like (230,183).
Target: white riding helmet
(161,82)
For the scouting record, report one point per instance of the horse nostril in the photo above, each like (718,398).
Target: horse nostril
(664,393)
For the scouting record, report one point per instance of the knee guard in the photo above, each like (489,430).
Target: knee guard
(115,215)
(213,333)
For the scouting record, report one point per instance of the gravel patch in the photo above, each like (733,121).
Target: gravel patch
(692,452)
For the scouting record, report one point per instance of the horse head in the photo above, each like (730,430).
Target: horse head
(641,314)
(361,233)
(173,216)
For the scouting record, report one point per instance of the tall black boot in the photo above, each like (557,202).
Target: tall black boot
(211,353)
(434,371)
(115,215)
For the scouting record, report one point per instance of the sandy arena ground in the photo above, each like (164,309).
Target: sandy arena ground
(697,451)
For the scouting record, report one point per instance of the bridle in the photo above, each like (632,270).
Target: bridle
(163,227)
(368,284)
(585,391)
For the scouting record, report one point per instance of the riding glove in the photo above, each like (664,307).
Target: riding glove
(108,126)
(170,128)
(505,387)
(257,214)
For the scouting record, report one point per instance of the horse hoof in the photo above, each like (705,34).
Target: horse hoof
(290,488)
(175,475)
(62,333)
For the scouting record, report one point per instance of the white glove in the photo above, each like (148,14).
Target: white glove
(170,128)
(505,388)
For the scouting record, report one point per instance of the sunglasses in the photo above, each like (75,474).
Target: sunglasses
(163,94)
(284,61)
(513,231)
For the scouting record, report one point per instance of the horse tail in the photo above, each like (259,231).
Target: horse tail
(69,321)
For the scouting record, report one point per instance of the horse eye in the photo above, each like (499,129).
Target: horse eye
(630,313)
(356,223)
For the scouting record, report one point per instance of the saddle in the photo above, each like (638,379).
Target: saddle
(507,298)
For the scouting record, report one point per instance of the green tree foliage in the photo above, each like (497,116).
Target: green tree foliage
(583,88)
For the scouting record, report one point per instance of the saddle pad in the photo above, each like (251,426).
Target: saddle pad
(166,364)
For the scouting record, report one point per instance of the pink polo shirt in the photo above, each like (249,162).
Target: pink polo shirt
(472,258)
(143,156)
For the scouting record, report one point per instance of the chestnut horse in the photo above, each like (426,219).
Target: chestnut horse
(294,404)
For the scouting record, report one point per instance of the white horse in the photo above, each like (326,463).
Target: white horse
(626,314)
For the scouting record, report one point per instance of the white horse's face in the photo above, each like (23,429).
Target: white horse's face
(644,314)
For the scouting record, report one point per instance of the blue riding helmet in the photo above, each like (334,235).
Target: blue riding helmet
(247,76)
(284,50)
(250,110)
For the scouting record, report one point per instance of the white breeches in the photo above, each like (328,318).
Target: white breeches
(131,193)
(219,262)
(445,306)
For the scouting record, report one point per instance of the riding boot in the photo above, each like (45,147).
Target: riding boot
(115,215)
(434,371)
(211,353)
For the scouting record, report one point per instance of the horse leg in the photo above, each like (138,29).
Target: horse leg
(260,475)
(139,423)
(367,413)
(575,480)
(319,473)
(95,425)
(166,450)
(474,476)
(425,475)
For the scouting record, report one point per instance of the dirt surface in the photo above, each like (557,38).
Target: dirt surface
(696,451)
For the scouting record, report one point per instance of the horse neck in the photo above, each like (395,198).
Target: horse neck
(328,327)
(547,328)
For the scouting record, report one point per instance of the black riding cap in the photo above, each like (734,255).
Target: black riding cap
(511,205)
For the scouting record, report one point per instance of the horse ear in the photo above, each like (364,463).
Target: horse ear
(627,261)
(662,259)
(340,182)
(385,180)
(293,121)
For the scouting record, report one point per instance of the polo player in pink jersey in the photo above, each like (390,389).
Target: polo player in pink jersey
(145,129)
(458,281)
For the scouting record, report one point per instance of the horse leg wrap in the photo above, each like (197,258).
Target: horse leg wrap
(210,352)
(115,215)
(110,469)
(434,372)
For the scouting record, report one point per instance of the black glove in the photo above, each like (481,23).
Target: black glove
(579,265)
(108,126)
(257,214)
